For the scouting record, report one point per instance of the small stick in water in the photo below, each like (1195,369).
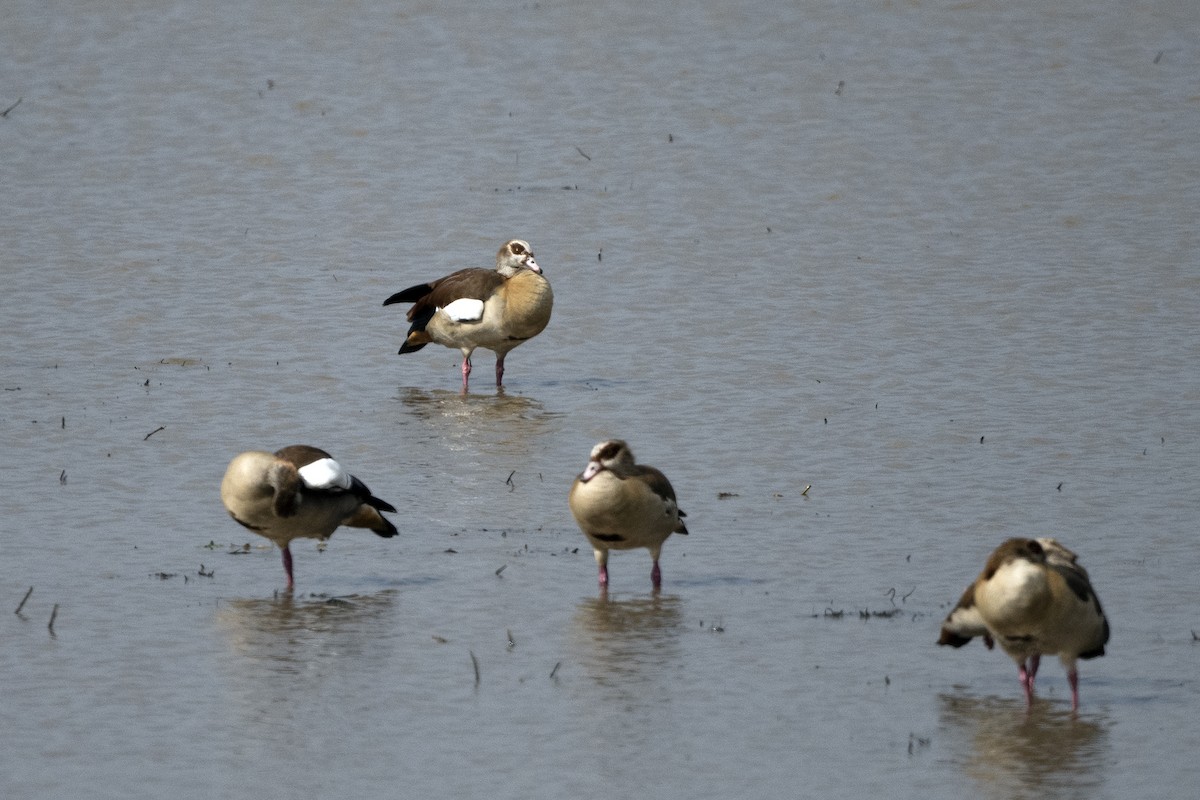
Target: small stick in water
(23,599)
(554,671)
(151,433)
(474,663)
(53,616)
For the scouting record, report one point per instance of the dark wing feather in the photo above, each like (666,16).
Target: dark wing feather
(659,484)
(475,283)
(1077,580)
(410,295)
(363,493)
(301,455)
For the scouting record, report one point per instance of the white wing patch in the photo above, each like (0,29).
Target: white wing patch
(324,473)
(465,309)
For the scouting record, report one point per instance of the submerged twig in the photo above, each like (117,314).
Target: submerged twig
(26,597)
(156,430)
(53,616)
(554,671)
(4,113)
(475,664)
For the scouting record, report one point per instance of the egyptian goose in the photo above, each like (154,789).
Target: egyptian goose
(622,505)
(495,309)
(1035,600)
(299,492)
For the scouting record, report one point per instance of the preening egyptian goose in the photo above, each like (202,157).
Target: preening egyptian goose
(494,309)
(299,492)
(622,505)
(1035,599)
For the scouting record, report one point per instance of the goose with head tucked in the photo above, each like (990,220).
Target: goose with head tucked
(299,492)
(1035,599)
(622,505)
(496,309)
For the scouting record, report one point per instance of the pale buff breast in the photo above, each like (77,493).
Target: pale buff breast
(528,303)
(608,505)
(1015,598)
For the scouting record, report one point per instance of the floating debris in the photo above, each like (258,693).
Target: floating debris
(475,664)
(554,671)
(26,597)
(53,616)
(156,430)
(885,614)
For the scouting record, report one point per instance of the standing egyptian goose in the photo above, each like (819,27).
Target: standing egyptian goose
(299,492)
(496,309)
(1034,599)
(621,505)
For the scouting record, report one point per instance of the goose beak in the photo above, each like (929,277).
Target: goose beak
(590,471)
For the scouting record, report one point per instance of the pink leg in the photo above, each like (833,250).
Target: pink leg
(1034,662)
(466,370)
(1026,683)
(1073,679)
(500,369)
(604,575)
(656,576)
(287,567)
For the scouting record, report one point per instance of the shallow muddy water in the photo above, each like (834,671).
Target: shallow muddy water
(877,285)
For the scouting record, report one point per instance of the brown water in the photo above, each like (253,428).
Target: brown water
(938,262)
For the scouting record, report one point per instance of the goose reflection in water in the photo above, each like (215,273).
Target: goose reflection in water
(1046,751)
(305,639)
(623,645)
(500,422)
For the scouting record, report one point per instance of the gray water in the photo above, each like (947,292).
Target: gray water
(938,262)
